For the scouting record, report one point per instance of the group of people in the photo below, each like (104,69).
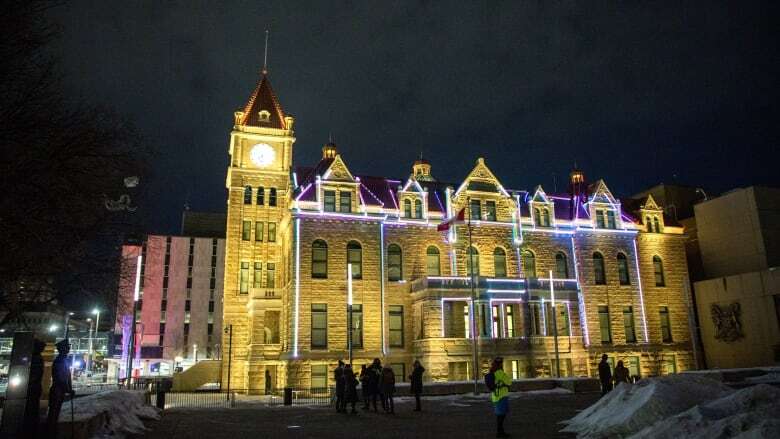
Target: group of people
(622,375)
(376,382)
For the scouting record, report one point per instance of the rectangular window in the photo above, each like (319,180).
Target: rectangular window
(187,305)
(604,326)
(272,197)
(258,277)
(271,232)
(432,264)
(162,333)
(345,202)
(495,327)
(319,326)
(600,219)
(189,282)
(611,219)
(246,230)
(515,367)
(536,319)
(330,201)
(243,284)
(633,367)
(475,210)
(396,326)
(666,327)
(270,275)
(490,210)
(509,328)
(564,320)
(319,376)
(466,321)
(357,326)
(259,231)
(187,316)
(162,316)
(668,365)
(628,324)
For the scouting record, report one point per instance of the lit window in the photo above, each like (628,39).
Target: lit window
(357,326)
(246,230)
(319,259)
(319,376)
(259,231)
(499,262)
(258,277)
(394,263)
(271,232)
(432,261)
(244,278)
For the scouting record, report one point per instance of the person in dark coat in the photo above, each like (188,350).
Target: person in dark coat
(338,377)
(351,392)
(60,386)
(388,389)
(364,385)
(32,411)
(605,375)
(621,374)
(416,380)
(375,381)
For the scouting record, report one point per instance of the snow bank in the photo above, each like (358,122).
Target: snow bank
(773,377)
(753,412)
(122,412)
(630,408)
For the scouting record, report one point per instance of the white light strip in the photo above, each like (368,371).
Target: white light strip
(382,283)
(545,279)
(137,289)
(580,298)
(349,284)
(448,277)
(297,282)
(641,294)
(543,312)
(552,290)
(517,281)
(507,291)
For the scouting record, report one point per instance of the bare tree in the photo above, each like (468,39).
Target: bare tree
(62,163)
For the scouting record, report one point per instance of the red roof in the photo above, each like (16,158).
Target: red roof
(263,98)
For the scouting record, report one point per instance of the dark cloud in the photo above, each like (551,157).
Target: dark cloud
(636,93)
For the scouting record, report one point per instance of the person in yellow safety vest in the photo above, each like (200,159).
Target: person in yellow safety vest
(500,395)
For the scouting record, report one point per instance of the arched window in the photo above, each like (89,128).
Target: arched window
(649,224)
(248,195)
(537,216)
(319,259)
(499,262)
(657,225)
(473,261)
(355,258)
(546,217)
(529,264)
(561,266)
(394,263)
(417,209)
(599,276)
(432,262)
(622,262)
(260,196)
(407,208)
(658,267)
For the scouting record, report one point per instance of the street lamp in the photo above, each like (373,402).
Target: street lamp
(89,353)
(95,311)
(52,328)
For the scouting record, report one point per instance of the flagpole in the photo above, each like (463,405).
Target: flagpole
(474,335)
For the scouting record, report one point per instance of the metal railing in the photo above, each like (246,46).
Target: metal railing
(310,396)
(174,400)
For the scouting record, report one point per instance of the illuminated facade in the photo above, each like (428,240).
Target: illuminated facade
(618,267)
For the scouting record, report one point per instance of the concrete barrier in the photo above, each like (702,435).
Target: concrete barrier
(577,385)
(204,372)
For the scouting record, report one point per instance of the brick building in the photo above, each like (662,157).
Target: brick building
(619,269)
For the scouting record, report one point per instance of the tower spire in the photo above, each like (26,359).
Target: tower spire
(265,54)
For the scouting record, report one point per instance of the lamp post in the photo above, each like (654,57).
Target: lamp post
(95,311)
(229,330)
(555,328)
(89,352)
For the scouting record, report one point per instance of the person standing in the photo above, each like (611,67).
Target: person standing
(375,374)
(621,374)
(388,389)
(338,376)
(32,411)
(416,383)
(499,396)
(351,384)
(605,375)
(60,386)
(364,385)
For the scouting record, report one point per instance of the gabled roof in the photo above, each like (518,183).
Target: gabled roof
(263,98)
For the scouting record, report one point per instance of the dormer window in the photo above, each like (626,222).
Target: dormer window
(490,210)
(264,116)
(542,217)
(605,219)
(475,210)
(417,209)
(408,208)
(652,224)
(329,202)
(345,202)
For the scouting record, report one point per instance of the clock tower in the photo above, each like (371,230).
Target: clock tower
(257,241)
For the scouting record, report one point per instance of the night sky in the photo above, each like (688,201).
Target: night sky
(635,93)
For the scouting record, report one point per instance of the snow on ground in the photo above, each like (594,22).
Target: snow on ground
(773,377)
(630,408)
(124,412)
(752,412)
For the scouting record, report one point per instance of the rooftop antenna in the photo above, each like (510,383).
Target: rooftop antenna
(265,54)
(330,136)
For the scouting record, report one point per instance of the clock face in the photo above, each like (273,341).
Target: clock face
(262,154)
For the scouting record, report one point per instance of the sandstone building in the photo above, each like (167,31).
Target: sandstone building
(618,268)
